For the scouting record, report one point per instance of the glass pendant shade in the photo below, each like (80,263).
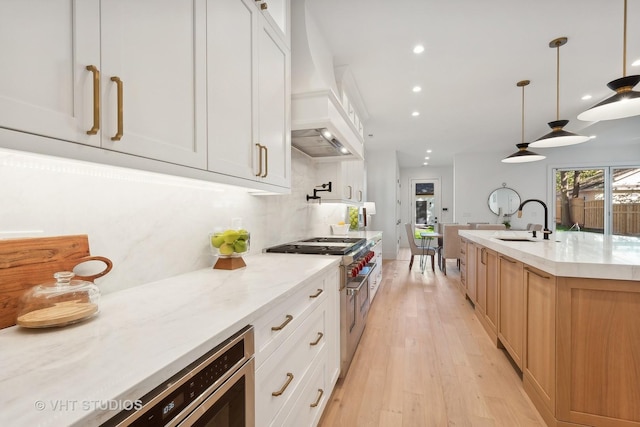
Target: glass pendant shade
(558,137)
(523,155)
(625,102)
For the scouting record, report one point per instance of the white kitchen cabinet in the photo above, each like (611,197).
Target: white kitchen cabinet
(157,49)
(347,181)
(108,74)
(45,88)
(305,341)
(248,83)
(278,14)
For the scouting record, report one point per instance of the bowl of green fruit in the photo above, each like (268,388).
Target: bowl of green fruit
(230,243)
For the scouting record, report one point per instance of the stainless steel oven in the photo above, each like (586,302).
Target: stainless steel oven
(217,390)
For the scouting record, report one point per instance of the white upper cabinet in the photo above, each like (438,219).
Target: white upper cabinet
(347,181)
(45,87)
(277,12)
(157,50)
(248,81)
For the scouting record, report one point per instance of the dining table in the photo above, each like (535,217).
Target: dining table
(425,243)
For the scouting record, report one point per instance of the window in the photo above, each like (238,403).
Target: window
(600,200)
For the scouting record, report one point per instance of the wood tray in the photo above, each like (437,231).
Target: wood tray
(27,262)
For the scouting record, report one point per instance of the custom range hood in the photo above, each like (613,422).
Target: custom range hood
(324,125)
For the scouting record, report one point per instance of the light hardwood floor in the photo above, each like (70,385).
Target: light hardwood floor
(425,360)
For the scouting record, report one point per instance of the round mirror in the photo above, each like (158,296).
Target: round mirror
(504,201)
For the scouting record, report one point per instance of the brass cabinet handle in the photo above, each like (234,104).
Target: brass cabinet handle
(320,335)
(119,84)
(317,402)
(317,294)
(96,100)
(284,387)
(266,161)
(263,6)
(259,159)
(483,252)
(350,192)
(537,274)
(288,319)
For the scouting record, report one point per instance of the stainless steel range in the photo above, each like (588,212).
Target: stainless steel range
(355,268)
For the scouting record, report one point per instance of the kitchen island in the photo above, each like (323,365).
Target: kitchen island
(145,334)
(566,312)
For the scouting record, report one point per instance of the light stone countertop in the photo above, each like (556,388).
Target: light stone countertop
(569,254)
(141,337)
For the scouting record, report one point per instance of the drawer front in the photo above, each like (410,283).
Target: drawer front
(272,329)
(284,372)
(308,409)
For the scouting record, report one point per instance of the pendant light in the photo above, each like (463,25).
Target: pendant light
(523,155)
(626,101)
(558,137)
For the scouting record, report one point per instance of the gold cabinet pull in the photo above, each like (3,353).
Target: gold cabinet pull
(119,84)
(96,100)
(317,402)
(320,335)
(284,387)
(350,192)
(288,319)
(266,161)
(259,159)
(317,294)
(537,274)
(263,6)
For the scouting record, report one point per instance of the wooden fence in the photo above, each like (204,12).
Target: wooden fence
(590,215)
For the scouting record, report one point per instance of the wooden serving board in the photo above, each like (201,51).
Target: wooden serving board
(27,262)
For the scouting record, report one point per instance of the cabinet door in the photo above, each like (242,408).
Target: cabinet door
(231,87)
(481,281)
(512,314)
(274,100)
(491,265)
(45,46)
(540,364)
(157,49)
(471,272)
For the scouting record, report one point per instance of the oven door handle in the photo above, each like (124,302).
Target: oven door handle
(353,291)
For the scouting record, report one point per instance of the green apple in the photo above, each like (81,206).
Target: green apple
(240,246)
(217,240)
(243,235)
(226,249)
(230,236)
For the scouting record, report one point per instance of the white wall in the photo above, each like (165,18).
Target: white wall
(476,175)
(382,174)
(150,225)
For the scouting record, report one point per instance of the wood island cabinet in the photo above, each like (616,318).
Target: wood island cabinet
(576,340)
(511,323)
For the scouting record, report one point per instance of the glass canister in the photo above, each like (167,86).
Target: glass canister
(58,303)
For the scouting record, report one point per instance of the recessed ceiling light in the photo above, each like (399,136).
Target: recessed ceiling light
(326,134)
(425,163)
(415,114)
(426,158)
(418,49)
(635,63)
(586,97)
(428,151)
(416,89)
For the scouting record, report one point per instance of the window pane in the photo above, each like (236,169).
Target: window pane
(580,200)
(626,201)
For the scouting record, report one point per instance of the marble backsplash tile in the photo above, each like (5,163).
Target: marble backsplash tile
(150,225)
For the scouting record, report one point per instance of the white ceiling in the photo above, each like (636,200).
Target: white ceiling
(476,52)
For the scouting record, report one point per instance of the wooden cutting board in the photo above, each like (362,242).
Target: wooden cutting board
(27,262)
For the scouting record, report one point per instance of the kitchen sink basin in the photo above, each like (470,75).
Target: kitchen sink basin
(516,239)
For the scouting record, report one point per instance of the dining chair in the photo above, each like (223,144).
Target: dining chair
(451,244)
(418,250)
